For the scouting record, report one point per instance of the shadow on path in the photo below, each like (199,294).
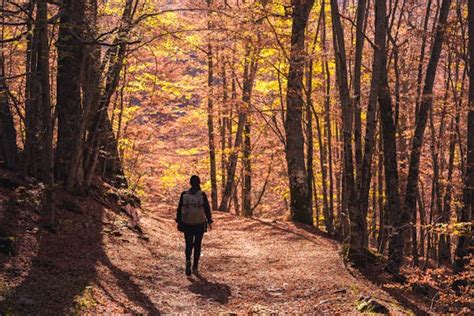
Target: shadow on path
(60,272)
(214,291)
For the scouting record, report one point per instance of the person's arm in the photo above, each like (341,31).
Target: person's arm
(207,208)
(178,211)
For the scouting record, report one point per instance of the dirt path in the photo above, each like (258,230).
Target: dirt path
(247,265)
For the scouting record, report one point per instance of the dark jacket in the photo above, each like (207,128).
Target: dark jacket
(193,228)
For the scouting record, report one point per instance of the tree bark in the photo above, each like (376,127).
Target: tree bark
(300,204)
(391,173)
(101,136)
(69,80)
(359,45)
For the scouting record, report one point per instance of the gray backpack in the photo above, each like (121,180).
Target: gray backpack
(192,210)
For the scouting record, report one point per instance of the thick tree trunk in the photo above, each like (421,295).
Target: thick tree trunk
(101,137)
(417,141)
(300,204)
(8,146)
(91,100)
(464,247)
(69,79)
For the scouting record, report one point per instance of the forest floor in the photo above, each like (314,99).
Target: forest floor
(94,264)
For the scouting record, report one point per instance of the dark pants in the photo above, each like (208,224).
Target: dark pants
(193,241)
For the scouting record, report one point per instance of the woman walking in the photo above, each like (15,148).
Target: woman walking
(194,218)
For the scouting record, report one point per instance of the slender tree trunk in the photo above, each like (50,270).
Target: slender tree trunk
(422,212)
(309,134)
(247,170)
(299,192)
(328,208)
(356,248)
(225,122)
(446,240)
(359,46)
(464,247)
(419,77)
(383,218)
(369,143)
(44,105)
(250,69)
(389,138)
(417,141)
(324,176)
(30,163)
(210,114)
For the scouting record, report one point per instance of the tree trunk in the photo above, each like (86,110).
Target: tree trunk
(309,133)
(91,100)
(31,151)
(369,143)
(102,138)
(225,122)
(69,79)
(300,204)
(391,173)
(44,105)
(356,249)
(8,146)
(464,247)
(417,141)
(250,69)
(359,45)
(247,170)
(329,211)
(210,114)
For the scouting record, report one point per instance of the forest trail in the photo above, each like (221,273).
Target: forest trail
(248,265)
(95,264)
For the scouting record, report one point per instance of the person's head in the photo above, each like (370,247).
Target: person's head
(195,182)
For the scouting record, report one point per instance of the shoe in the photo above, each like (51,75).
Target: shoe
(188,268)
(195,270)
